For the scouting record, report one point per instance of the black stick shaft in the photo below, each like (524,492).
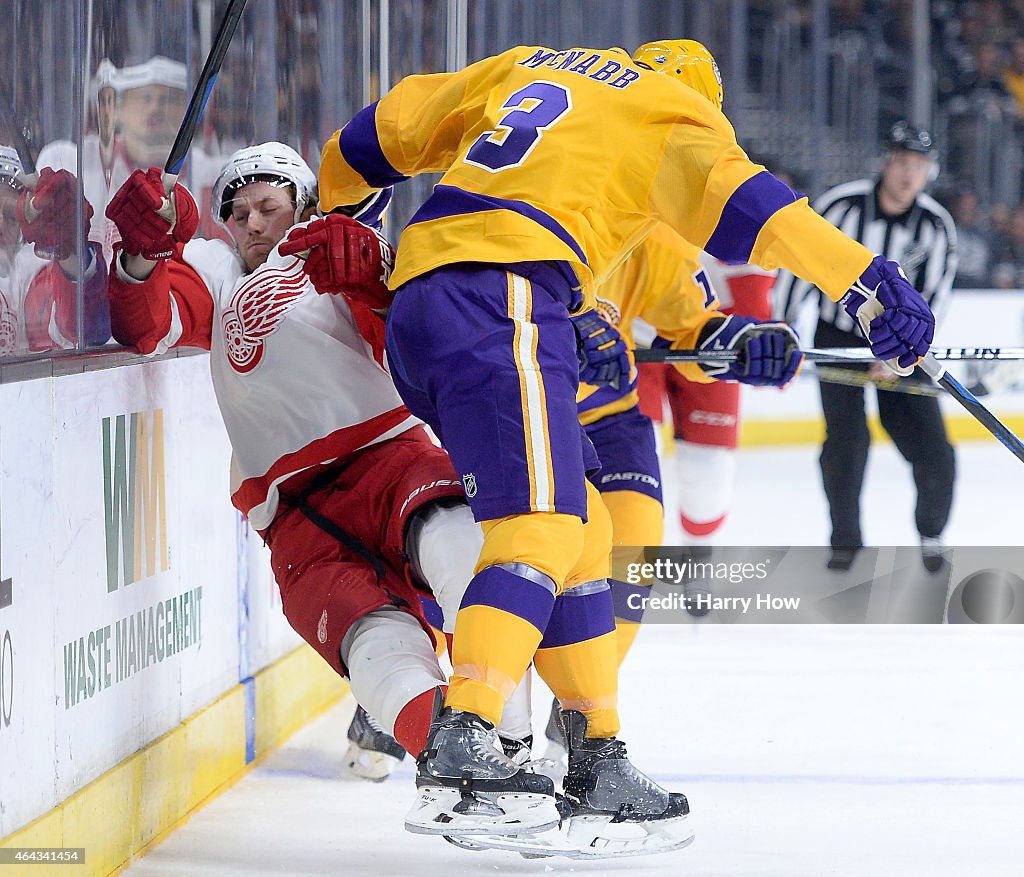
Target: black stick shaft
(980,413)
(832,354)
(204,86)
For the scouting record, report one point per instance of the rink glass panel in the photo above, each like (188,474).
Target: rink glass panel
(102,85)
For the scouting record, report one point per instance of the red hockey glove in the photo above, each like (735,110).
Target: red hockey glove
(52,206)
(148,227)
(345,257)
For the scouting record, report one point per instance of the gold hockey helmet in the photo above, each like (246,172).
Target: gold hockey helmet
(688,61)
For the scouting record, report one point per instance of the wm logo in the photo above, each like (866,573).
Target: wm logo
(134,496)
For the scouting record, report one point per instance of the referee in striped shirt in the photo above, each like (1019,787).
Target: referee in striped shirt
(892,216)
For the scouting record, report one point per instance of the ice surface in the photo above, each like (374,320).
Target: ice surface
(804,750)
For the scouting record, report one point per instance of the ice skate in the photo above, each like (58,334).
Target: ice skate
(697,590)
(469,786)
(841,559)
(372,752)
(610,809)
(697,597)
(933,553)
(556,756)
(521,752)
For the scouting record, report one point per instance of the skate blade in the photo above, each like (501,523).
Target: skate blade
(444,811)
(584,837)
(365,764)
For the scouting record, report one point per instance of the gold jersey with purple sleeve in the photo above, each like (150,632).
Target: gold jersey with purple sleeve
(662,283)
(571,157)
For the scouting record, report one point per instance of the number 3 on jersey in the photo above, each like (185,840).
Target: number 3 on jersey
(529,113)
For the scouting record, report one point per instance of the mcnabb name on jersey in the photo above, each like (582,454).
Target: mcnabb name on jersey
(573,61)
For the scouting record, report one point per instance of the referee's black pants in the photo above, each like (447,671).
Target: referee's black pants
(915,425)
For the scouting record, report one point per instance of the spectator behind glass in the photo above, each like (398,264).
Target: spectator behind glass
(1013,76)
(973,242)
(10,188)
(993,25)
(985,79)
(153,100)
(135,113)
(998,225)
(10,238)
(38,290)
(1009,270)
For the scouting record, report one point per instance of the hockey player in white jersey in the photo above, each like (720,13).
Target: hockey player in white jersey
(356,504)
(39,298)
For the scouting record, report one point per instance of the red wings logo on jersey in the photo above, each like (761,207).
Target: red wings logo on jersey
(256,311)
(8,327)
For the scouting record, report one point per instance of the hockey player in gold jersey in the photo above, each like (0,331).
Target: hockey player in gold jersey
(663,283)
(554,165)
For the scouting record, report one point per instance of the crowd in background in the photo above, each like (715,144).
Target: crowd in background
(978,54)
(298,68)
(977,57)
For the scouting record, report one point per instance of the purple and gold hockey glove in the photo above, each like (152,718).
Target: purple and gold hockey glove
(768,354)
(604,359)
(893,316)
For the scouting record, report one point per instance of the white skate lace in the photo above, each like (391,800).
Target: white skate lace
(487,753)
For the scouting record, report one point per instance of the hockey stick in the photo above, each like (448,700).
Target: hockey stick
(931,366)
(850,378)
(830,354)
(28,162)
(201,93)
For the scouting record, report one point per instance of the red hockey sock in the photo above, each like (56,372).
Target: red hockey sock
(701,528)
(413,721)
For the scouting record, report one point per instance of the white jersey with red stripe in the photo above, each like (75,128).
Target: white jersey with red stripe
(299,376)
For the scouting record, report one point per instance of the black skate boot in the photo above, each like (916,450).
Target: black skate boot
(697,590)
(372,752)
(603,789)
(697,597)
(610,809)
(841,559)
(933,553)
(469,786)
(558,749)
(556,757)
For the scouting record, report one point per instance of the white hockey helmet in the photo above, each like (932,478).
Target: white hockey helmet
(10,169)
(271,162)
(104,77)
(158,70)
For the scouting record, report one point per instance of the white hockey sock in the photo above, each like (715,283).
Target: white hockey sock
(390,661)
(705,475)
(446,546)
(516,720)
